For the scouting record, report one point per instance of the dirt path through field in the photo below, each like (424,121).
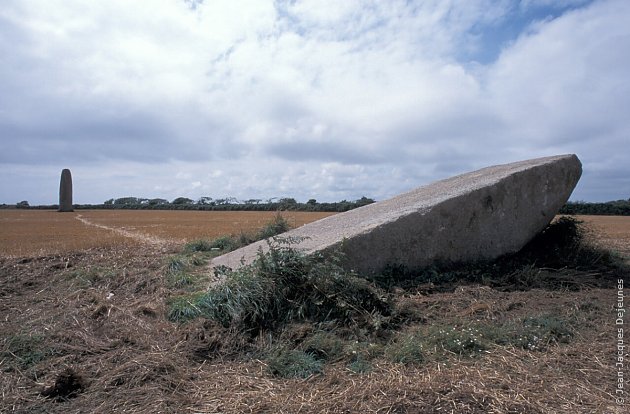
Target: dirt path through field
(143,238)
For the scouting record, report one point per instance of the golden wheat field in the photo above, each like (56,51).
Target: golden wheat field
(612,232)
(41,232)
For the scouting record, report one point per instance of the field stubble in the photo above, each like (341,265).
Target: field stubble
(45,232)
(91,314)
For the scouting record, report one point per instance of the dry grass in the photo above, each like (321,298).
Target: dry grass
(508,381)
(114,334)
(99,312)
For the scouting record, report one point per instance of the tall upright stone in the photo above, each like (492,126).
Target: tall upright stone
(65,191)
(479,215)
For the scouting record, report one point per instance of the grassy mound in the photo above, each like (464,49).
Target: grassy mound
(299,312)
(282,286)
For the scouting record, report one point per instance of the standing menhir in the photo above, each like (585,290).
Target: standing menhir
(65,191)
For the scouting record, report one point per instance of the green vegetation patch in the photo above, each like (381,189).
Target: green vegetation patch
(228,243)
(201,245)
(185,270)
(293,363)
(406,349)
(325,346)
(25,350)
(536,333)
(439,342)
(180,271)
(183,308)
(92,276)
(285,285)
(462,341)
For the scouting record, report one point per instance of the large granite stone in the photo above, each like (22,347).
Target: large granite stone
(478,215)
(65,191)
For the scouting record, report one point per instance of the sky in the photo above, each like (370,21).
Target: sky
(323,99)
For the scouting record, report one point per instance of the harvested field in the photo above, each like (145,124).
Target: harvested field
(84,328)
(611,231)
(42,232)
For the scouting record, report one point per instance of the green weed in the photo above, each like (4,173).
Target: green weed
(275,227)
(176,264)
(292,363)
(176,273)
(199,246)
(180,280)
(324,346)
(535,333)
(468,341)
(407,349)
(286,285)
(92,276)
(183,308)
(25,350)
(226,243)
(359,365)
(539,332)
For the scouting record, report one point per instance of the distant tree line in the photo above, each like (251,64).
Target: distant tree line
(210,204)
(610,208)
(232,204)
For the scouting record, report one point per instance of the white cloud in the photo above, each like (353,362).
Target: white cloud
(564,84)
(323,99)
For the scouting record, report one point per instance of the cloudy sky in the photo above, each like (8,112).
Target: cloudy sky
(323,99)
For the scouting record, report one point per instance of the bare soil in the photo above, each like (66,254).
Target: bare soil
(84,329)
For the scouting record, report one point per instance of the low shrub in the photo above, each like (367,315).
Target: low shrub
(275,227)
(201,245)
(286,285)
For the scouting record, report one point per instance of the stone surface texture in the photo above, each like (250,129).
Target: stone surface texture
(65,191)
(478,215)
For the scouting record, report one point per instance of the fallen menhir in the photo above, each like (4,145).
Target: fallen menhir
(479,215)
